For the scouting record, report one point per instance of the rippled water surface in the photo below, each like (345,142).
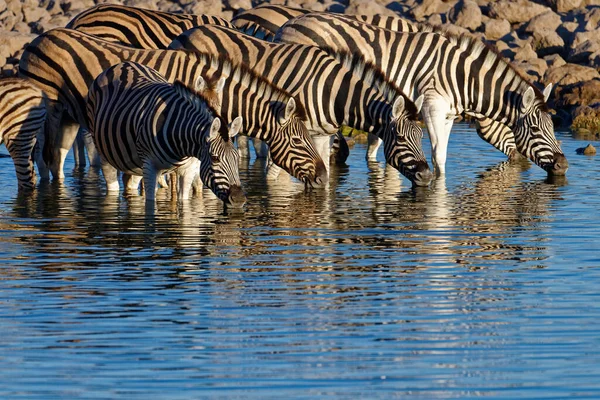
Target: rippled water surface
(486,284)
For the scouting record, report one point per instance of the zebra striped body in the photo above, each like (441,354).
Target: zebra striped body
(138,27)
(264,21)
(268,112)
(143,125)
(335,92)
(22,117)
(455,74)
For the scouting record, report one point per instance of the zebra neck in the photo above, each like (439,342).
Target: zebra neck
(365,110)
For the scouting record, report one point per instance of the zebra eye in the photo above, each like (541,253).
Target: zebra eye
(296,141)
(215,159)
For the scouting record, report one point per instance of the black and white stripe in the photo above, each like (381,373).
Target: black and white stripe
(138,27)
(64,63)
(22,117)
(344,91)
(142,125)
(456,75)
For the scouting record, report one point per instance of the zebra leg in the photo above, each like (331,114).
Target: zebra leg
(323,146)
(272,169)
(65,137)
(150,178)
(435,114)
(260,148)
(162,181)
(373,144)
(79,149)
(93,155)
(111,176)
(186,174)
(39,160)
(131,183)
(242,142)
(340,150)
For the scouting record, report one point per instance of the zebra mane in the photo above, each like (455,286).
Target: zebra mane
(471,44)
(201,103)
(248,77)
(372,75)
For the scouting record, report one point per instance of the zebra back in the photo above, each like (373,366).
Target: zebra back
(139,120)
(264,21)
(269,113)
(345,91)
(22,117)
(138,27)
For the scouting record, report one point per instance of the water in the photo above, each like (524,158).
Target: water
(483,285)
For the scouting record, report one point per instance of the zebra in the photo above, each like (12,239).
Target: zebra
(22,118)
(269,113)
(264,22)
(348,91)
(138,27)
(143,125)
(146,29)
(452,72)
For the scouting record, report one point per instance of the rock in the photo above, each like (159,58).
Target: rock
(592,19)
(525,53)
(587,52)
(435,19)
(237,4)
(581,37)
(554,60)
(588,150)
(563,6)
(429,7)
(547,42)
(584,94)
(204,7)
(12,42)
(547,21)
(570,26)
(496,28)
(454,29)
(569,74)
(516,11)
(534,68)
(466,14)
(367,7)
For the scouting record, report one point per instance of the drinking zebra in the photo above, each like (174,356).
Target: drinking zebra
(348,91)
(265,20)
(64,63)
(143,125)
(138,27)
(22,117)
(455,74)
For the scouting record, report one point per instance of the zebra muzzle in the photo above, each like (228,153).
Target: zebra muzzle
(237,197)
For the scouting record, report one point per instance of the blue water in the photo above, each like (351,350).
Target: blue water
(486,284)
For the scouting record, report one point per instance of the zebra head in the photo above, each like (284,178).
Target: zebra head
(403,147)
(292,147)
(219,164)
(534,133)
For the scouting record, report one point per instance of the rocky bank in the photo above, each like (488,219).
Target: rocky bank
(556,41)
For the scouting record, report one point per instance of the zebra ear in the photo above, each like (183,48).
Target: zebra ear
(547,91)
(419,103)
(398,107)
(199,84)
(290,109)
(528,99)
(214,129)
(220,85)
(235,126)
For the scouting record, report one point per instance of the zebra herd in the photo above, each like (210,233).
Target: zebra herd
(150,92)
